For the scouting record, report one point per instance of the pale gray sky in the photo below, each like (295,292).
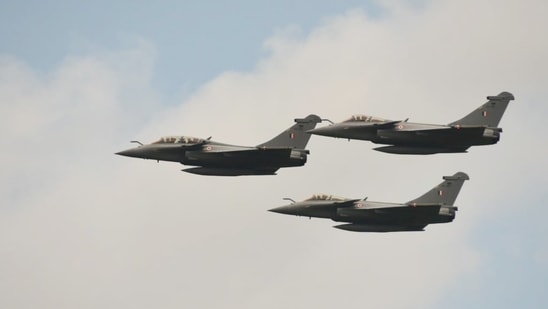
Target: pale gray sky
(83,228)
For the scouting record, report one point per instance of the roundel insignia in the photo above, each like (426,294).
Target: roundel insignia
(208,148)
(400,126)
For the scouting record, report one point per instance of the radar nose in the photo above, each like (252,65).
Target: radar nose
(286,210)
(133,152)
(318,131)
(331,130)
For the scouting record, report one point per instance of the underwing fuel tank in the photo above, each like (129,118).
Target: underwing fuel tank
(353,227)
(210,171)
(416,150)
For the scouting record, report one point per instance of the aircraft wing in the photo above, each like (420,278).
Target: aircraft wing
(471,131)
(268,152)
(410,210)
(246,157)
(415,209)
(389,214)
(241,156)
(430,139)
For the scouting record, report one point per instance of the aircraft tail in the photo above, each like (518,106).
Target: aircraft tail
(445,193)
(489,114)
(295,137)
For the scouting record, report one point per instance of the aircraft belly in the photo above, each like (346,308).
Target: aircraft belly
(389,216)
(442,138)
(242,159)
(412,139)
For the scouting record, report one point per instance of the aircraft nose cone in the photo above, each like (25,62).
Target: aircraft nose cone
(325,131)
(285,210)
(133,152)
(314,131)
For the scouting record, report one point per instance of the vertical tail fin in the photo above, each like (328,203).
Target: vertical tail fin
(489,114)
(296,136)
(445,193)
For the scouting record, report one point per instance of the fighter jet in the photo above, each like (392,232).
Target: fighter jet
(480,127)
(213,158)
(360,215)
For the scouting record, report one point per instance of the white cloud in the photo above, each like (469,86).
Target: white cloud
(80,227)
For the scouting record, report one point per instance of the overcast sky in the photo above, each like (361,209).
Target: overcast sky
(83,228)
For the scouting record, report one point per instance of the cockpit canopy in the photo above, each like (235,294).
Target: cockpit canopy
(325,197)
(366,118)
(179,140)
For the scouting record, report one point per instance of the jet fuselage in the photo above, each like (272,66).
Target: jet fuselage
(414,138)
(480,127)
(287,149)
(434,206)
(213,158)
(380,214)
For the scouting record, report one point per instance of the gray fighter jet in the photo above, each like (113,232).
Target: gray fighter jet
(435,206)
(477,128)
(213,158)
